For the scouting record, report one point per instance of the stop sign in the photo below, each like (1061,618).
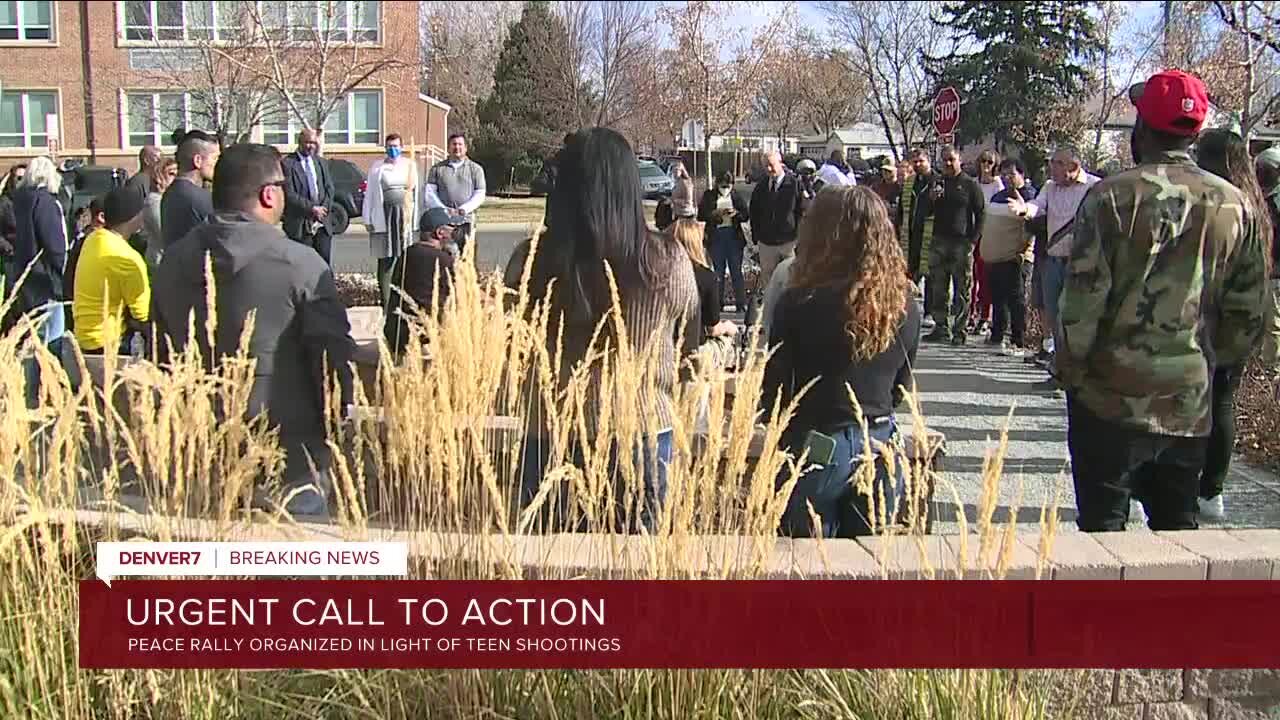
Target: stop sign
(946,111)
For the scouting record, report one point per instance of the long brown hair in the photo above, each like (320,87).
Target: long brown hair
(1226,154)
(846,241)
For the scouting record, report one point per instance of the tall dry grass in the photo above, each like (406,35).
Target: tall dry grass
(439,462)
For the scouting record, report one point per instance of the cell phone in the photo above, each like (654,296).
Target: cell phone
(822,448)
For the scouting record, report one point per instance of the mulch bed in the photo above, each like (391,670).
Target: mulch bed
(1258,418)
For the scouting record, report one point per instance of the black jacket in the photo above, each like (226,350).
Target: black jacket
(959,212)
(41,230)
(707,206)
(300,326)
(774,215)
(297,194)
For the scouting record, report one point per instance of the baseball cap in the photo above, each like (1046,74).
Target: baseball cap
(1171,101)
(436,217)
(122,205)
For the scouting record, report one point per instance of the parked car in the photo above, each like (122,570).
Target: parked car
(82,183)
(654,182)
(349,184)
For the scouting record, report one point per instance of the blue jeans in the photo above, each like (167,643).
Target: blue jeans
(1053,276)
(726,250)
(843,511)
(651,457)
(51,325)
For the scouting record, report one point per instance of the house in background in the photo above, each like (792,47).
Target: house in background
(864,138)
(80,78)
(752,135)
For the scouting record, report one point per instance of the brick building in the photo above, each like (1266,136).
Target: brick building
(97,80)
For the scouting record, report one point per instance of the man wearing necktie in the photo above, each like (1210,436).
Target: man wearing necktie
(774,213)
(308,195)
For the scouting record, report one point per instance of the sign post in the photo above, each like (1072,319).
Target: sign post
(946,112)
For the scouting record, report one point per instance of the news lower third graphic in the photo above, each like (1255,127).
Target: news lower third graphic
(353,605)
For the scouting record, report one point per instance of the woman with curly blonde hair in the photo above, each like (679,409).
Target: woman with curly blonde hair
(849,324)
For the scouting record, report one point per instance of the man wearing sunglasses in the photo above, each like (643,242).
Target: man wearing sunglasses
(300,328)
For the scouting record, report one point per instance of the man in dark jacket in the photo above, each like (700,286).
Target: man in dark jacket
(774,213)
(421,276)
(148,157)
(958,207)
(186,203)
(300,329)
(308,195)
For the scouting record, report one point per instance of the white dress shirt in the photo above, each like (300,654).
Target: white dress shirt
(1060,202)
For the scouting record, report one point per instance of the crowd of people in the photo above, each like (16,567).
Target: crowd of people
(1154,286)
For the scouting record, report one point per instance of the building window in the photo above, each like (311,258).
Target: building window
(310,20)
(23,118)
(181,20)
(152,117)
(26,20)
(357,120)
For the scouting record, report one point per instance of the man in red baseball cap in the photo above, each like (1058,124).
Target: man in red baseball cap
(1165,282)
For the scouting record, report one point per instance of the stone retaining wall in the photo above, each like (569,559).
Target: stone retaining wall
(1180,695)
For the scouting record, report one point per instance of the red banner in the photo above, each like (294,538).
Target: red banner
(326,624)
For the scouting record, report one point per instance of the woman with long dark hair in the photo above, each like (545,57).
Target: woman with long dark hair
(597,218)
(1226,154)
(847,322)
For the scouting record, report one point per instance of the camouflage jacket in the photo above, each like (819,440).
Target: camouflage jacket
(1166,281)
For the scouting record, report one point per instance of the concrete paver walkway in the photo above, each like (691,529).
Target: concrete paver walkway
(967,393)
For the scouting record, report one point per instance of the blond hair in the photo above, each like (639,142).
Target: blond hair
(689,234)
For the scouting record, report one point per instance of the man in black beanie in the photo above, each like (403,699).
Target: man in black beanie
(111,277)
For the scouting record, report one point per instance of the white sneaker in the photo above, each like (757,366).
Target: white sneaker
(1138,513)
(1212,510)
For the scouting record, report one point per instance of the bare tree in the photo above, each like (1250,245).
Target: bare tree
(885,42)
(835,95)
(310,62)
(716,68)
(783,94)
(460,45)
(1125,54)
(1251,51)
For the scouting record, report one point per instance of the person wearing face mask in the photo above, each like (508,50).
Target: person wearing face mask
(309,195)
(390,209)
(723,211)
(301,337)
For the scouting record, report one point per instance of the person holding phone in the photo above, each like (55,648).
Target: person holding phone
(723,212)
(848,324)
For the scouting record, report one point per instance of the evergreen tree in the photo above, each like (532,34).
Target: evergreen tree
(521,121)
(1025,79)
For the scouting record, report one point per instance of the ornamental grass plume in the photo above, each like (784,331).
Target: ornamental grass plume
(433,453)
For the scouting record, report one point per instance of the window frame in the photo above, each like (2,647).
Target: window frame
(27,134)
(21,26)
(351,33)
(159,138)
(292,126)
(218,34)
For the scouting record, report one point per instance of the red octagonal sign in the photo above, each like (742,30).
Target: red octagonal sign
(946,111)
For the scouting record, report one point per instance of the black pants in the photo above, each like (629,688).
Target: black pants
(1222,438)
(1008,299)
(1112,463)
(322,243)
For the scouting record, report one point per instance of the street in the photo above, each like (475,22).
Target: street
(494,242)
